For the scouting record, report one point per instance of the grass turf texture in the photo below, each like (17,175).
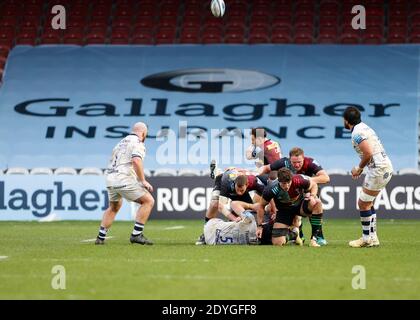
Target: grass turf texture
(174,268)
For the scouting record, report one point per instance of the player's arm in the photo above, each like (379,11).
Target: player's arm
(239,207)
(321,177)
(139,170)
(367,152)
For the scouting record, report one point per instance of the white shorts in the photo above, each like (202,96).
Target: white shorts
(131,192)
(377,178)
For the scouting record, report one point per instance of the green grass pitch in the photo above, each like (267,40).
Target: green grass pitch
(174,268)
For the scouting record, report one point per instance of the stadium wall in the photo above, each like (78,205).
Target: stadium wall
(49,198)
(68,105)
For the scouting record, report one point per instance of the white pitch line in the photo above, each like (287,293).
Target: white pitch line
(175,228)
(3,257)
(92,240)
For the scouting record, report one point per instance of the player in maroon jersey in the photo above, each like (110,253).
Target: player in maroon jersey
(233,185)
(299,164)
(293,195)
(263,150)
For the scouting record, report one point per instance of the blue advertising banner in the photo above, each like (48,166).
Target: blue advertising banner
(69,105)
(49,198)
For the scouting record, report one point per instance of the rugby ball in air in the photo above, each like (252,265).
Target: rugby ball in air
(218,8)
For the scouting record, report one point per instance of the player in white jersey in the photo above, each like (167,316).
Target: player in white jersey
(125,179)
(378,173)
(218,232)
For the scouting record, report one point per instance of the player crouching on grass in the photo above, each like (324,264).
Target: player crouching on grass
(293,195)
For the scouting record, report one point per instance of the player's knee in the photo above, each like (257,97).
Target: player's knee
(114,207)
(364,206)
(317,208)
(278,236)
(280,241)
(147,200)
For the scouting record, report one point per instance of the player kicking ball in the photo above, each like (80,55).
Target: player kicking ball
(379,172)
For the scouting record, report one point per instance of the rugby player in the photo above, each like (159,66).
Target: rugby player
(298,163)
(293,195)
(244,231)
(378,173)
(233,185)
(263,150)
(125,179)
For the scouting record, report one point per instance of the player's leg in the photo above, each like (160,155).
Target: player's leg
(374,182)
(279,233)
(213,208)
(142,215)
(284,219)
(115,203)
(295,229)
(366,199)
(312,208)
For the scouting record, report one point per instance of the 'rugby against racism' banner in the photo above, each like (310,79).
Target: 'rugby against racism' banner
(85,198)
(69,105)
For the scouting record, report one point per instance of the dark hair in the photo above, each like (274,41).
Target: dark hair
(285,175)
(241,181)
(260,131)
(296,152)
(352,116)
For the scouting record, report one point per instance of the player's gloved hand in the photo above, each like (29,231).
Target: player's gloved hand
(147,185)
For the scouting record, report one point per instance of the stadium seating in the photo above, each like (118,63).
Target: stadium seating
(189,173)
(65,171)
(165,172)
(17,171)
(158,22)
(41,171)
(91,171)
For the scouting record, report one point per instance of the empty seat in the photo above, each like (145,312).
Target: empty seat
(337,171)
(65,171)
(41,171)
(189,173)
(165,172)
(404,171)
(17,171)
(91,171)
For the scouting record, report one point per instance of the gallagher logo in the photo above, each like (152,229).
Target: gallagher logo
(210,80)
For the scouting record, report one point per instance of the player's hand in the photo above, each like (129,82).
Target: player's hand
(356,172)
(147,185)
(259,232)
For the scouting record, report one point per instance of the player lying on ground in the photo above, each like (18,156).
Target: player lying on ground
(379,172)
(293,195)
(125,179)
(233,185)
(299,164)
(243,231)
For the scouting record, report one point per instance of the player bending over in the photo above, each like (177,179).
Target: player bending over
(378,173)
(298,163)
(293,195)
(232,185)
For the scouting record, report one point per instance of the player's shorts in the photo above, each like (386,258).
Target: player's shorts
(286,214)
(131,192)
(377,178)
(266,234)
